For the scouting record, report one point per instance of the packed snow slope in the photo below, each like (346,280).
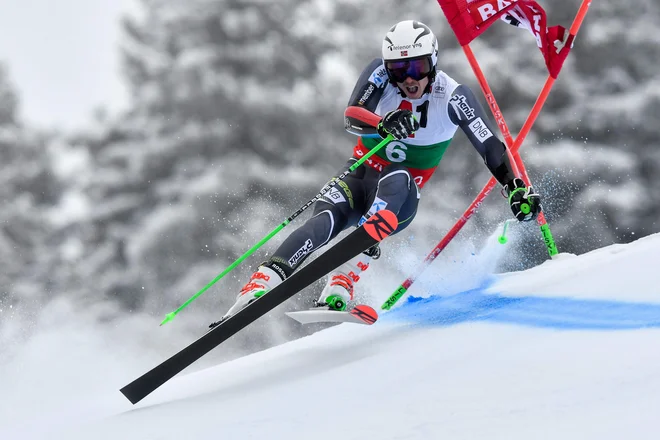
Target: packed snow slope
(567,350)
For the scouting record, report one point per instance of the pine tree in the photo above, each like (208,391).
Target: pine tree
(28,190)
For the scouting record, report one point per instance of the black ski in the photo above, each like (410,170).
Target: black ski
(379,226)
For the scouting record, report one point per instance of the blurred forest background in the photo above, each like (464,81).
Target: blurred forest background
(236,120)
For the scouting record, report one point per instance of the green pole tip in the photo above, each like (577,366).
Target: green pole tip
(502,238)
(168,318)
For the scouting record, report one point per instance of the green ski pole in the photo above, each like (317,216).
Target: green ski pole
(328,186)
(502,238)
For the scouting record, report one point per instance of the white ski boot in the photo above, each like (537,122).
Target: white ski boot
(263,280)
(341,282)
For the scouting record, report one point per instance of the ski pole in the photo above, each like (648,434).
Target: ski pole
(328,186)
(502,238)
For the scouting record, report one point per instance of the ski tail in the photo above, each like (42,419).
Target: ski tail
(379,226)
(360,314)
(365,314)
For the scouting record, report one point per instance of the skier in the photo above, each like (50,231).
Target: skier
(423,108)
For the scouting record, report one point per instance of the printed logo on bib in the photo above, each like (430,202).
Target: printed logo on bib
(335,196)
(439,90)
(304,250)
(461,107)
(480,130)
(396,151)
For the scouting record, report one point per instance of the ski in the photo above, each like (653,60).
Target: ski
(360,314)
(379,226)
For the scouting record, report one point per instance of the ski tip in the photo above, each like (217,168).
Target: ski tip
(365,313)
(381,225)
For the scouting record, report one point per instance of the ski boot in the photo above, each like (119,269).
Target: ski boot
(263,280)
(339,288)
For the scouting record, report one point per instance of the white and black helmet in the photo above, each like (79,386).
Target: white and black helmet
(410,40)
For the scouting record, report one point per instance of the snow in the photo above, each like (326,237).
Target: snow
(565,350)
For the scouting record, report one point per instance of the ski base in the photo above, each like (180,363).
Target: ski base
(360,314)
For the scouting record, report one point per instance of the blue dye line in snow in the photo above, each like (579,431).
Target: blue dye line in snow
(560,313)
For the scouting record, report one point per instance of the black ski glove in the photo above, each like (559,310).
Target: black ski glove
(525,203)
(399,123)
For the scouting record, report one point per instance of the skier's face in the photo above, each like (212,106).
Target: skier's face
(411,74)
(412,88)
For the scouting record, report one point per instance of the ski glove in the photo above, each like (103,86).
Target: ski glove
(525,203)
(400,123)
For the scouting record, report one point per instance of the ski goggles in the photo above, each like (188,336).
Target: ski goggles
(415,68)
